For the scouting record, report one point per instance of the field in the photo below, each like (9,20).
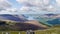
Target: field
(12,32)
(52,30)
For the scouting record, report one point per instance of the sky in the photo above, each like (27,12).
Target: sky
(29,6)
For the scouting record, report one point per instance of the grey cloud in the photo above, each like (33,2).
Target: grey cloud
(4,4)
(40,5)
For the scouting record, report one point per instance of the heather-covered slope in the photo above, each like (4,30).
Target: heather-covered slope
(28,25)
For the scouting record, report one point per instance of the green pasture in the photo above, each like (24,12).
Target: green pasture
(53,30)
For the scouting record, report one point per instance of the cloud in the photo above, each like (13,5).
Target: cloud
(24,8)
(58,2)
(6,7)
(34,2)
(4,4)
(9,11)
(38,6)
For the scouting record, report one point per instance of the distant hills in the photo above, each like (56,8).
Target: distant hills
(21,23)
(31,21)
(48,19)
(12,17)
(45,18)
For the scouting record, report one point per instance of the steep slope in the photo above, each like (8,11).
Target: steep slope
(29,25)
(34,22)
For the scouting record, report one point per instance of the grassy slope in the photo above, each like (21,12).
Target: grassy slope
(52,30)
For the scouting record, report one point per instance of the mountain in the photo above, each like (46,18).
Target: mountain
(23,23)
(28,25)
(16,18)
(48,19)
(51,14)
(34,22)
